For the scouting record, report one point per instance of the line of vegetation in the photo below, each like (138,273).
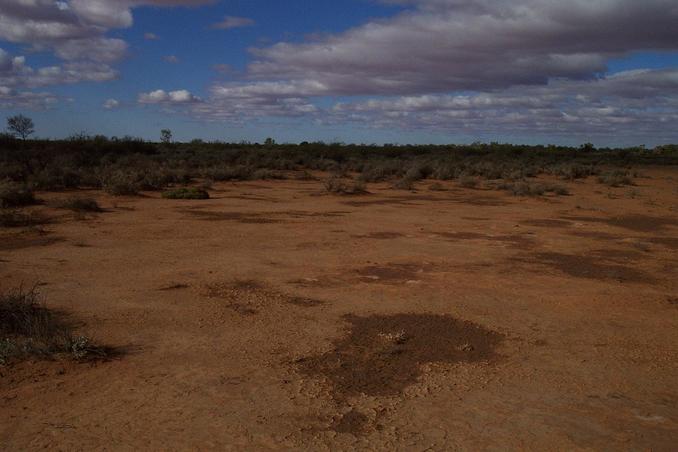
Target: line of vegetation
(126,166)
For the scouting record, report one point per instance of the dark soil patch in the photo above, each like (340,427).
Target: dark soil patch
(393,200)
(383,355)
(589,267)
(176,286)
(392,273)
(517,240)
(669,242)
(483,201)
(617,255)
(547,223)
(352,422)
(603,236)
(638,223)
(303,301)
(249,297)
(242,217)
(303,214)
(475,218)
(22,241)
(380,235)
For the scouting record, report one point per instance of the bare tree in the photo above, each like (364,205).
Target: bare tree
(20,125)
(166,136)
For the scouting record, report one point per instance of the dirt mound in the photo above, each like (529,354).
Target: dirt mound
(382,355)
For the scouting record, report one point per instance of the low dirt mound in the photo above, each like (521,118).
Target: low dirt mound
(382,355)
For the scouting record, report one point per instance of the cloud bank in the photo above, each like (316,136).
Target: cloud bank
(470,66)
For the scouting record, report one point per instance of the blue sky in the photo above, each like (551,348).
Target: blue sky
(405,71)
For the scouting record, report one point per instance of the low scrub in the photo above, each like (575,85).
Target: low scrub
(77,204)
(405,183)
(13,194)
(469,182)
(12,218)
(616,178)
(29,329)
(338,186)
(533,188)
(119,183)
(186,193)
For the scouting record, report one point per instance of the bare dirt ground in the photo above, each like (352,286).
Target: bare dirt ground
(277,317)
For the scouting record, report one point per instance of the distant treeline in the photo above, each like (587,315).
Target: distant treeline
(101,162)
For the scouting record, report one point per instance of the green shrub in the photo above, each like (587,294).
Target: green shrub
(186,193)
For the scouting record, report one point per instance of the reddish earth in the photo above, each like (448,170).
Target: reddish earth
(276,317)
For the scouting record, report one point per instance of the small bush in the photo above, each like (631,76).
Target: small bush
(10,218)
(29,329)
(340,187)
(468,182)
(574,171)
(186,193)
(527,188)
(405,183)
(79,204)
(305,176)
(15,195)
(436,186)
(616,178)
(119,183)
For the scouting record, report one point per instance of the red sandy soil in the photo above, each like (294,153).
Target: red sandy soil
(274,316)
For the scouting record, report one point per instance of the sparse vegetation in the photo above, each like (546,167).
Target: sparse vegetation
(616,178)
(469,182)
(12,218)
(186,193)
(339,186)
(532,188)
(78,204)
(124,167)
(14,194)
(29,329)
(120,184)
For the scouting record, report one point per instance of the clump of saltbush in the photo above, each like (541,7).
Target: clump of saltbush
(29,329)
(616,178)
(78,204)
(337,185)
(12,218)
(13,194)
(186,193)
(469,182)
(532,188)
(119,183)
